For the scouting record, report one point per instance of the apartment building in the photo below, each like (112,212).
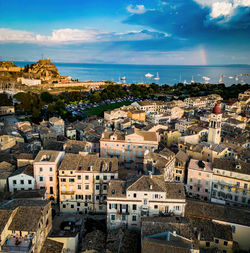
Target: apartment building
(231,182)
(46,166)
(150,106)
(58,125)
(6,169)
(83,182)
(148,196)
(25,225)
(162,163)
(128,147)
(137,115)
(181,161)
(22,179)
(199,179)
(170,137)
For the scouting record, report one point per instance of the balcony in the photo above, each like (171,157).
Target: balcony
(124,211)
(17,245)
(68,193)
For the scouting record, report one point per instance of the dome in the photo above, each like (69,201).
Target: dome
(217,109)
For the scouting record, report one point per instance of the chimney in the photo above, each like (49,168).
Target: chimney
(151,187)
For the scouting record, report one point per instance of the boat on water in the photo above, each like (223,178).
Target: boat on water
(123,78)
(192,81)
(206,79)
(236,78)
(221,79)
(148,75)
(157,77)
(230,77)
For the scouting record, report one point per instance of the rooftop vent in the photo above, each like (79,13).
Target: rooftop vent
(45,158)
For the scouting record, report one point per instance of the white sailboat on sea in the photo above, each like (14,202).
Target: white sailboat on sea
(119,81)
(123,78)
(206,79)
(221,79)
(148,75)
(236,78)
(157,77)
(192,81)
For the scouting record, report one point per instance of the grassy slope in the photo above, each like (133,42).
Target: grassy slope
(98,111)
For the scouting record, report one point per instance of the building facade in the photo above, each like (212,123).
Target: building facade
(83,182)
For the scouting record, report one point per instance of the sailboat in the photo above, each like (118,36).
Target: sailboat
(221,79)
(192,81)
(123,78)
(157,77)
(236,78)
(148,75)
(206,79)
(119,81)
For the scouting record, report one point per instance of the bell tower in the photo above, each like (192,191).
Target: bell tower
(214,130)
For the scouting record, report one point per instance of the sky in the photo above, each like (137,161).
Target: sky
(171,32)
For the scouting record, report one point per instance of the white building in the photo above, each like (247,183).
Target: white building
(22,179)
(214,131)
(147,196)
(29,82)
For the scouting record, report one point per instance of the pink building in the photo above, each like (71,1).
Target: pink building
(199,179)
(46,171)
(128,148)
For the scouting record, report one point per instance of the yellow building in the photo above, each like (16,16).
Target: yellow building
(83,182)
(231,182)
(169,138)
(138,115)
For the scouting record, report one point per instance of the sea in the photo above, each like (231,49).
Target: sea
(168,74)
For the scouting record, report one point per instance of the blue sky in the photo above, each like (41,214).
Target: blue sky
(126,31)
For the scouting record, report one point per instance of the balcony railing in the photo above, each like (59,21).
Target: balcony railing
(67,192)
(14,245)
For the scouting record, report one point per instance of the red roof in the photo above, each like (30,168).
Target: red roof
(217,109)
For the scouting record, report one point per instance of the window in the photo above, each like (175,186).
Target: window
(14,181)
(64,206)
(63,180)
(134,218)
(86,177)
(134,207)
(123,217)
(207,244)
(71,180)
(105,187)
(225,243)
(145,202)
(86,187)
(71,172)
(29,182)
(63,172)
(21,181)
(245,186)
(134,195)
(216,241)
(41,169)
(97,177)
(50,169)
(177,208)
(243,200)
(51,190)
(72,206)
(155,206)
(79,177)
(50,179)
(97,187)
(112,217)
(233,229)
(79,187)
(112,177)
(190,187)
(41,179)
(104,177)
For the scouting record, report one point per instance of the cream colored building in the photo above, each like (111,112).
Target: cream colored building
(5,110)
(147,196)
(83,182)
(129,148)
(231,182)
(57,124)
(6,169)
(150,106)
(46,166)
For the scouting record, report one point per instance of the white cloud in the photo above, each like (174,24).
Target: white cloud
(10,35)
(221,9)
(224,8)
(72,36)
(138,9)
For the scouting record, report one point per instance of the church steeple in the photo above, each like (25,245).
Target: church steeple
(214,131)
